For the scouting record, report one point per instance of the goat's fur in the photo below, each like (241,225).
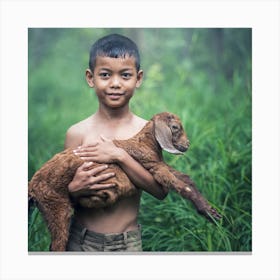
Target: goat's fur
(49,184)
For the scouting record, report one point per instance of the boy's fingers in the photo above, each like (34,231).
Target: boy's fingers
(87,146)
(97,179)
(85,165)
(85,153)
(85,149)
(98,169)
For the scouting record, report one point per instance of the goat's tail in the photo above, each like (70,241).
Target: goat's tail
(32,204)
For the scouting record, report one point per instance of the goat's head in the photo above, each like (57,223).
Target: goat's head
(170,133)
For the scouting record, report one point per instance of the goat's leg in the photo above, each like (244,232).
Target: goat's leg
(182,184)
(58,220)
(60,230)
(193,194)
(57,210)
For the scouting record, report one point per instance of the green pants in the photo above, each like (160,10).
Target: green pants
(84,240)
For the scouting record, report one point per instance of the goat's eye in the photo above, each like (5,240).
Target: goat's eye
(175,127)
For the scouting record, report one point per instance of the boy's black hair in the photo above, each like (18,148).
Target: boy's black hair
(115,46)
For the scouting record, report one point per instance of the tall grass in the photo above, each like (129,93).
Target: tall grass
(219,161)
(215,111)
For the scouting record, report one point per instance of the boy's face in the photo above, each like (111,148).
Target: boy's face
(114,80)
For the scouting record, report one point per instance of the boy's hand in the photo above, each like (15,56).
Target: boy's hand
(104,151)
(85,181)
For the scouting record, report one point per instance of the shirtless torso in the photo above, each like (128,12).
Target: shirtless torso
(122,216)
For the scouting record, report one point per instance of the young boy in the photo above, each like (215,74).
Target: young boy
(114,73)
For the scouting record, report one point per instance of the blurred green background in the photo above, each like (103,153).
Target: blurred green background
(202,75)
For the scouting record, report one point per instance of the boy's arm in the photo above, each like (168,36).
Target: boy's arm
(105,151)
(140,176)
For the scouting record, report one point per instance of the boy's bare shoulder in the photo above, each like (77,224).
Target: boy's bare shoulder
(76,132)
(80,126)
(138,122)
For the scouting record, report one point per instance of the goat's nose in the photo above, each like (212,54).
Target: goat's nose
(181,148)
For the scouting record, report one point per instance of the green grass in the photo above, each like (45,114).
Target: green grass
(215,110)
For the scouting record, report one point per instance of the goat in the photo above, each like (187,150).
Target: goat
(48,186)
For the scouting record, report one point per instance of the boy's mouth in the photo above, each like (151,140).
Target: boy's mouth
(114,95)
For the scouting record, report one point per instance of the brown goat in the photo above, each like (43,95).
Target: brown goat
(48,187)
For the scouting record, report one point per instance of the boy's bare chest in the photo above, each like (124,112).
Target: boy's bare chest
(92,134)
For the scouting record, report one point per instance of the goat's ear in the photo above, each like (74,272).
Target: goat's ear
(164,136)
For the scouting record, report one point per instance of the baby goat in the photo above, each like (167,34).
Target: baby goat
(48,187)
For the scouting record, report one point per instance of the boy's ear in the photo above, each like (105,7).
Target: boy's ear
(140,75)
(89,78)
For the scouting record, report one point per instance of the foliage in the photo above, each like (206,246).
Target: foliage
(204,76)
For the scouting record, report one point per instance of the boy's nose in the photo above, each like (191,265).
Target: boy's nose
(115,82)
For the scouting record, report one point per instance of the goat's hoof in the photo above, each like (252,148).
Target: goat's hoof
(213,214)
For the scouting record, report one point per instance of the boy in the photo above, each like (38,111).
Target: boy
(114,73)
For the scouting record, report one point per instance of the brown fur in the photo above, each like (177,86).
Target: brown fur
(49,184)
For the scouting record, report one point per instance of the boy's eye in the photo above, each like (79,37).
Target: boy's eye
(126,75)
(104,74)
